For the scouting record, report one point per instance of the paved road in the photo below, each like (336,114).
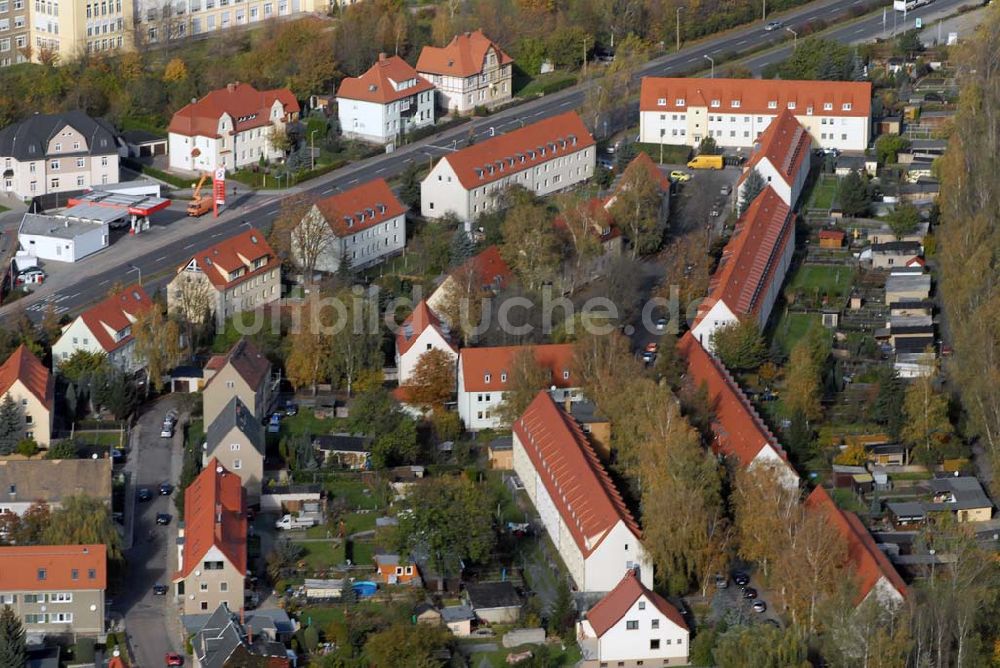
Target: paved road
(151,622)
(166,246)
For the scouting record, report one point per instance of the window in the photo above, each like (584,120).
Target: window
(79,162)
(42,574)
(234,447)
(34,619)
(715,104)
(91,574)
(237,464)
(642,605)
(223,586)
(827,106)
(679,102)
(735,104)
(58,147)
(31,598)
(61,597)
(846,106)
(203,586)
(204,605)
(62,617)
(791,105)
(655,624)
(486,378)
(503,377)
(8,599)
(632,625)
(654,643)
(772,104)
(662,102)
(54,164)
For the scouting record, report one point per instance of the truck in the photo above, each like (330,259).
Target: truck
(199,205)
(299,521)
(908,5)
(707,162)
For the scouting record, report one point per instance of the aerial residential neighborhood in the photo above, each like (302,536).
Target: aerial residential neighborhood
(499,334)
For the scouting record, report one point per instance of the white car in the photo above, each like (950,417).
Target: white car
(772,25)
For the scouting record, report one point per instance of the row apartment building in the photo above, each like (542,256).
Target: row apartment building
(782,156)
(545,157)
(735,112)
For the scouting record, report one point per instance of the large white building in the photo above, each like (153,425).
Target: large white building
(385,103)
(484,374)
(361,226)
(545,157)
(231,127)
(51,153)
(583,513)
(782,157)
(633,626)
(472,71)
(735,112)
(106,328)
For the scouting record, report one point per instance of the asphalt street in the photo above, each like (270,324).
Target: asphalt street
(174,238)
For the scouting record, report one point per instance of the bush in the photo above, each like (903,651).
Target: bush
(83,651)
(310,638)
(27,447)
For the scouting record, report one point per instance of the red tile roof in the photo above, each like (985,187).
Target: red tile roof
(360,208)
(755,96)
(576,481)
(739,430)
(22,365)
(214,516)
(240,101)
(489,266)
(750,259)
(233,254)
(475,363)
(603,224)
(869,563)
(464,56)
(20,566)
(644,162)
(250,363)
(421,318)
(380,84)
(114,314)
(785,144)
(617,602)
(498,157)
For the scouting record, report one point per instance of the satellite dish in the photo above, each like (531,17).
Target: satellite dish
(219,469)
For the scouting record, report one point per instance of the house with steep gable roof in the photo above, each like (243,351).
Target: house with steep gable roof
(582,510)
(361,226)
(740,434)
(545,157)
(874,575)
(106,327)
(243,372)
(735,112)
(385,103)
(485,272)
(30,385)
(230,127)
(24,482)
(753,266)
(642,162)
(471,71)
(235,438)
(782,156)
(634,625)
(421,332)
(212,545)
(484,374)
(237,274)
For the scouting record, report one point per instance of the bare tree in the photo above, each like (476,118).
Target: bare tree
(310,240)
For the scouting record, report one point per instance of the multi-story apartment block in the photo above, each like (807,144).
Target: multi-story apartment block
(230,127)
(56,590)
(243,372)
(28,382)
(235,439)
(361,226)
(545,157)
(49,153)
(782,157)
(164,20)
(472,71)
(238,274)
(212,546)
(106,328)
(385,103)
(734,112)
(15,32)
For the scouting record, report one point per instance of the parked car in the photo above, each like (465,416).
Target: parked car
(144,494)
(117,455)
(750,593)
(721,581)
(678,175)
(652,347)
(174,659)
(167,430)
(33,276)
(771,26)
(759,606)
(724,191)
(741,578)
(159,590)
(291,408)
(163,519)
(661,324)
(166,489)
(274,424)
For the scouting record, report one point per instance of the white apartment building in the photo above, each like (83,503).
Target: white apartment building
(230,127)
(583,513)
(361,226)
(472,71)
(50,153)
(548,156)
(782,157)
(385,103)
(484,374)
(735,112)
(106,328)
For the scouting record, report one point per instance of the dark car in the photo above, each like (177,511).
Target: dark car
(144,494)
(741,578)
(750,593)
(166,489)
(159,590)
(291,408)
(117,455)
(163,519)
(759,606)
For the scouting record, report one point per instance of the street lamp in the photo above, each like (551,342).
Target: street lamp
(132,268)
(764,12)
(312,149)
(795,38)
(711,60)
(679,28)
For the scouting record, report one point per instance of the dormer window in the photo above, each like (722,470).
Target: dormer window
(662,102)
(735,104)
(846,106)
(486,378)
(772,104)
(565,374)
(791,105)
(809,111)
(716,104)
(503,377)
(828,106)
(679,102)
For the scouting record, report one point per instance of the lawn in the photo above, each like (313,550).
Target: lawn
(353,523)
(546,83)
(823,193)
(353,491)
(103,438)
(3,208)
(792,327)
(305,423)
(319,556)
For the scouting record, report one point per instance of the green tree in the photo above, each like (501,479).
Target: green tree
(887,409)
(636,206)
(83,520)
(708,146)
(803,377)
(524,380)
(27,447)
(761,646)
(34,522)
(283,555)
(13,647)
(450,520)
(462,247)
(65,449)
(11,425)
(406,646)
(409,187)
(752,186)
(903,219)
(740,345)
(530,245)
(157,345)
(113,390)
(375,414)
(560,620)
(817,58)
(853,194)
(927,428)
(888,147)
(357,343)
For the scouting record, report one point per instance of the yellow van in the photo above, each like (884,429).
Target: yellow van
(706,162)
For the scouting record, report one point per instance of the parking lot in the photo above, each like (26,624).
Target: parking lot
(731,605)
(698,197)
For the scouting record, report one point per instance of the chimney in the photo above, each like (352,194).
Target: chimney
(231,87)
(218,522)
(381,57)
(568,405)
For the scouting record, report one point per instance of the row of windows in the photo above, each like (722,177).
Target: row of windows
(5,6)
(49,618)
(203,586)
(104,28)
(772,104)
(54,597)
(104,9)
(19,22)
(51,8)
(104,44)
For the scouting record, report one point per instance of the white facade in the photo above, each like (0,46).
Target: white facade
(65,166)
(71,242)
(384,123)
(599,571)
(717,317)
(229,148)
(361,249)
(429,339)
(77,336)
(441,191)
(643,636)
(480,410)
(789,192)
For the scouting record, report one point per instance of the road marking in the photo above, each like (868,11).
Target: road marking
(328,190)
(741,42)
(271,212)
(380,170)
(189,246)
(859,30)
(352,181)
(74,295)
(217,234)
(160,259)
(565,103)
(693,60)
(106,281)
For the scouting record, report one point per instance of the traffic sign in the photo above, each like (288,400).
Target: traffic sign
(920,23)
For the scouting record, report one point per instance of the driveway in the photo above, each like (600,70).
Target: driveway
(152,622)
